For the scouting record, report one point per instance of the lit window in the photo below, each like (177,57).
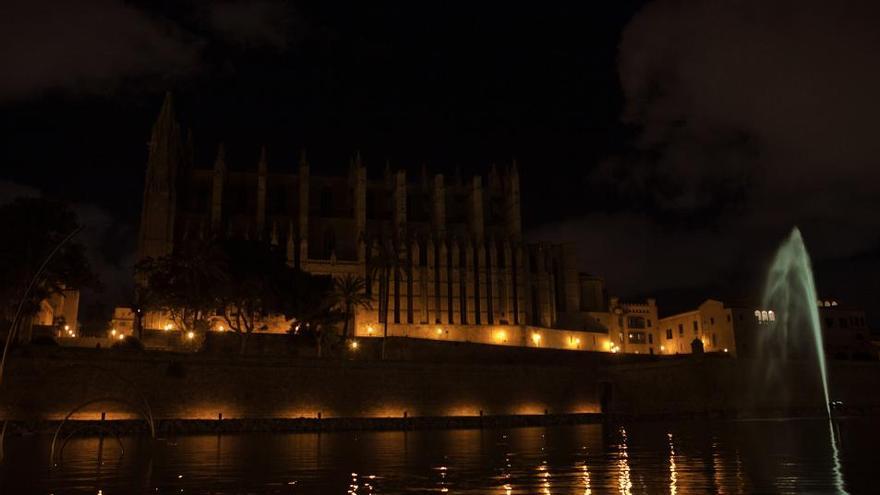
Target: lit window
(772,315)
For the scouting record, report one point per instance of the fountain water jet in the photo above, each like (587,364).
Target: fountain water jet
(791,292)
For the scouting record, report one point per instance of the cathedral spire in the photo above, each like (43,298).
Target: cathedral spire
(388,178)
(220,160)
(262,165)
(159,203)
(262,187)
(494,179)
(217,183)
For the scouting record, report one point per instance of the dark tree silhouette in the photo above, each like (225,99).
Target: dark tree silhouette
(387,263)
(349,293)
(32,228)
(184,284)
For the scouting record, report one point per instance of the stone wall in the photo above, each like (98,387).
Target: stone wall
(741,387)
(49,383)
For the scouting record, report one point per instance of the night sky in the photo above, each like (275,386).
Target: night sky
(676,142)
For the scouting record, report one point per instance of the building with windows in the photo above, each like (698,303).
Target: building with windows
(712,324)
(844,331)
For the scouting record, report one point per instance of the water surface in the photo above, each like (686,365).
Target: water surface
(784,456)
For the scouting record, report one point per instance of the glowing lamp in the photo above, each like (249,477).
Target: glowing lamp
(725,349)
(190,335)
(221,328)
(113,332)
(369,330)
(354,345)
(536,338)
(120,336)
(168,326)
(439,331)
(66,328)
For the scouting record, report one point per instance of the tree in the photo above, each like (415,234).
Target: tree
(386,263)
(33,228)
(258,282)
(240,281)
(310,307)
(184,284)
(349,292)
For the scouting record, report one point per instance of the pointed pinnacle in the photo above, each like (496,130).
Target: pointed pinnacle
(263,163)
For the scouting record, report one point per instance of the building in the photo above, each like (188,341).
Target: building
(470,276)
(740,328)
(712,324)
(56,316)
(845,332)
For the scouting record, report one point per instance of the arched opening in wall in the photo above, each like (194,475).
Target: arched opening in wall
(535,316)
(329,245)
(371,205)
(478,288)
(326,201)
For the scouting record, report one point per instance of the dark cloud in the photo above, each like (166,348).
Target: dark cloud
(752,117)
(258,23)
(87,45)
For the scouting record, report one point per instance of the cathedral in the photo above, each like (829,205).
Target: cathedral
(470,277)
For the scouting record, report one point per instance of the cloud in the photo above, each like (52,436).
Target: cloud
(752,117)
(258,23)
(89,45)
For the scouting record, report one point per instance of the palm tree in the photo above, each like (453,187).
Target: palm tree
(349,291)
(383,265)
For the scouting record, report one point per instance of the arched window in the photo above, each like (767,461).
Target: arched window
(758,315)
(764,316)
(329,242)
(326,201)
(772,315)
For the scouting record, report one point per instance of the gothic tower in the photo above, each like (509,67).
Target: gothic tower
(157,218)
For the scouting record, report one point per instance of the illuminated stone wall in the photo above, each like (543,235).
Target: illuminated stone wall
(196,386)
(501,335)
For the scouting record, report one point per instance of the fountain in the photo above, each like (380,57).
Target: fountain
(795,329)
(791,293)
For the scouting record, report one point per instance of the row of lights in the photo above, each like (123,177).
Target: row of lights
(119,335)
(68,331)
(502,337)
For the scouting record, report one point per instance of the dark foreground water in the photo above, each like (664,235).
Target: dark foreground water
(788,456)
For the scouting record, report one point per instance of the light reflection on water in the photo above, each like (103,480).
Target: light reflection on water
(672,457)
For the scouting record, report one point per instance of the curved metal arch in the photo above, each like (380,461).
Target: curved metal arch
(89,402)
(89,427)
(146,411)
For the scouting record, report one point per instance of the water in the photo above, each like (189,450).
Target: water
(794,329)
(782,456)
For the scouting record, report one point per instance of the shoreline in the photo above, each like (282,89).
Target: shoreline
(166,427)
(305,425)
